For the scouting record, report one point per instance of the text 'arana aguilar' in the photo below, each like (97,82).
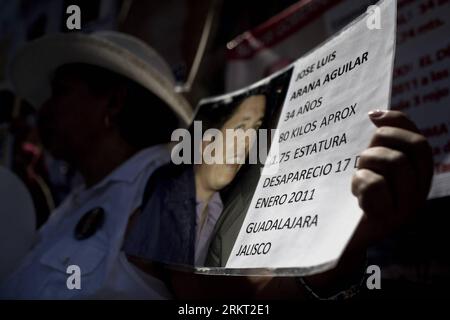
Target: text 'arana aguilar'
(335,74)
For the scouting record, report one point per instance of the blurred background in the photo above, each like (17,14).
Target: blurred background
(216,46)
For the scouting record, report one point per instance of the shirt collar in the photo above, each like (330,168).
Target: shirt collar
(131,168)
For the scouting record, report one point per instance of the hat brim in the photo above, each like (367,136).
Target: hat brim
(33,66)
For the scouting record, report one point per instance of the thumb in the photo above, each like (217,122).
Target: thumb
(389,118)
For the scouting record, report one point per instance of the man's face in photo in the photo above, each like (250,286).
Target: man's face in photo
(248,116)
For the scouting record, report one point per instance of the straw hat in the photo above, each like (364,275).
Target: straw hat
(32,67)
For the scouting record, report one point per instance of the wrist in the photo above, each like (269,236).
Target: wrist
(344,282)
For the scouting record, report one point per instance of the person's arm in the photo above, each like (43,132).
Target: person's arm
(392,183)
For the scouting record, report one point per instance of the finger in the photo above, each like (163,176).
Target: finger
(392,119)
(397,171)
(373,193)
(415,147)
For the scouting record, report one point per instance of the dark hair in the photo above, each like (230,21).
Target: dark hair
(214,115)
(144,120)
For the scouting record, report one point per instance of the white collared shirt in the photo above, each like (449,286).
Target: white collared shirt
(105,272)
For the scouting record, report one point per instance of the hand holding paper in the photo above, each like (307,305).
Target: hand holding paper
(394,176)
